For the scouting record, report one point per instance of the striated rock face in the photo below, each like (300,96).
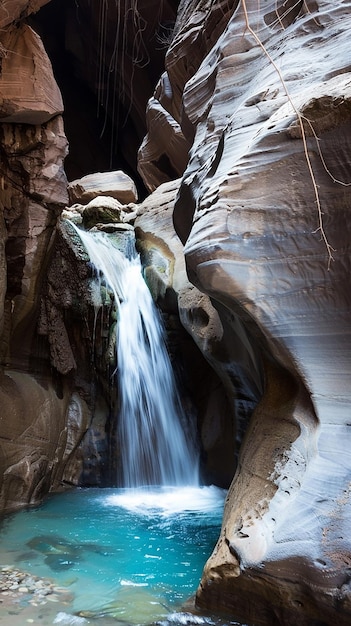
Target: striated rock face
(13,10)
(164,152)
(32,159)
(205,385)
(42,417)
(262,93)
(24,96)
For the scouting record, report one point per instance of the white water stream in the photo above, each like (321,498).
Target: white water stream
(130,555)
(155,439)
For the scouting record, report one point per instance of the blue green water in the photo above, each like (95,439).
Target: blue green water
(128,555)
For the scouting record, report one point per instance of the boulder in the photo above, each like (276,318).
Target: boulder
(116,184)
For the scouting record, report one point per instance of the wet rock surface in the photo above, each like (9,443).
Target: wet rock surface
(262,94)
(254,109)
(14,584)
(25,598)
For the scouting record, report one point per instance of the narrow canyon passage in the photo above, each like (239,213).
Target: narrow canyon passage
(215,136)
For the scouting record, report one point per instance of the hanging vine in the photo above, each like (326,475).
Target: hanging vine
(280,17)
(123,22)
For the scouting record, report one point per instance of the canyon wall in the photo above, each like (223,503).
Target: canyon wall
(35,419)
(51,395)
(57,403)
(247,151)
(259,94)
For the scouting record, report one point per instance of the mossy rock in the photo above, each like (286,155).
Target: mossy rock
(93,215)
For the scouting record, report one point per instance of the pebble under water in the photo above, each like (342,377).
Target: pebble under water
(123,556)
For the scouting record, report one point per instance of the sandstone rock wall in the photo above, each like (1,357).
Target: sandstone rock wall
(25,98)
(51,309)
(201,353)
(42,417)
(13,10)
(261,94)
(253,115)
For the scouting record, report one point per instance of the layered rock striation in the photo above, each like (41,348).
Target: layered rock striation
(261,94)
(249,135)
(54,397)
(57,325)
(35,418)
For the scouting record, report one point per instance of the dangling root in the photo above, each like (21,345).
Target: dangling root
(300,119)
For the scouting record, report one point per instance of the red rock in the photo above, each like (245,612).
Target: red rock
(24,96)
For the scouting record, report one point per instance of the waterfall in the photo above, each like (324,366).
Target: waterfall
(156,441)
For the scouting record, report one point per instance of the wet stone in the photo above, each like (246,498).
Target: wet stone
(16,585)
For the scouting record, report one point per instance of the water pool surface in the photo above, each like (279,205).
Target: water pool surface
(131,556)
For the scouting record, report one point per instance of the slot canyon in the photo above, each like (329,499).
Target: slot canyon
(215,136)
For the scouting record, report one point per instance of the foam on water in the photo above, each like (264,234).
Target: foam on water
(185,619)
(65,619)
(168,501)
(134,555)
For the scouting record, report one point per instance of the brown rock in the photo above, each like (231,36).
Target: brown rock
(163,154)
(32,412)
(33,192)
(3,268)
(116,184)
(25,98)
(160,247)
(46,342)
(12,10)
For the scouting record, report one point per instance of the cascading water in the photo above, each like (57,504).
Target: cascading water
(157,444)
(130,556)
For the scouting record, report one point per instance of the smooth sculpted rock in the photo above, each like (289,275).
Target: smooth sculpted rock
(34,412)
(115,184)
(222,412)
(160,247)
(163,154)
(263,211)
